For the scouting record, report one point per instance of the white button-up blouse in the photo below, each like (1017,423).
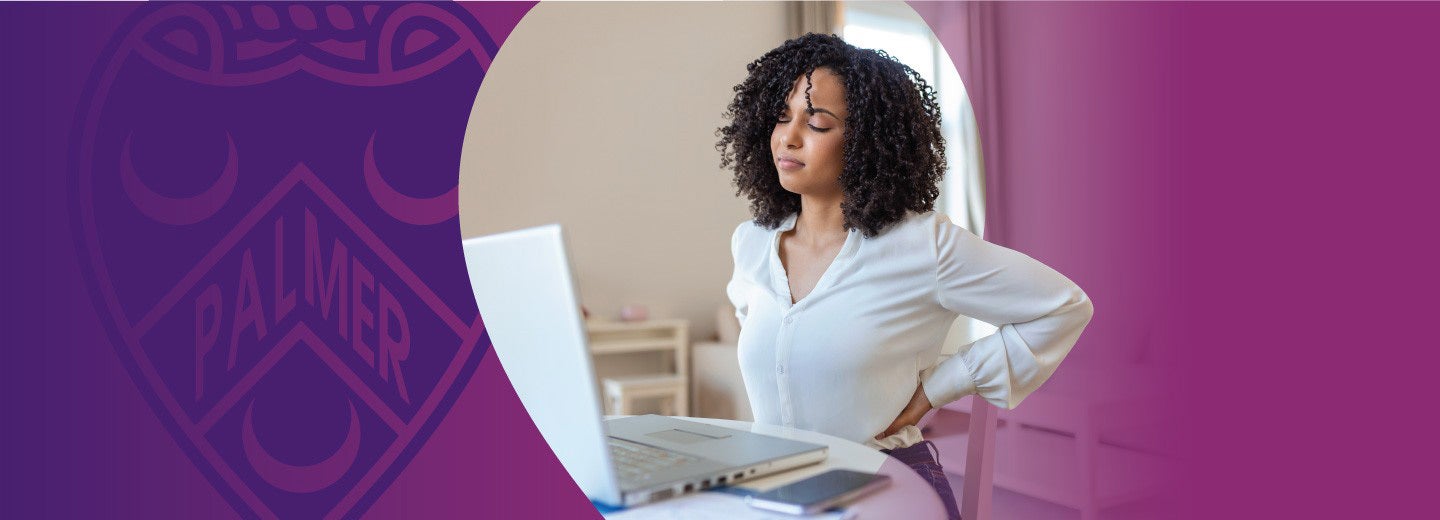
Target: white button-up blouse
(845,359)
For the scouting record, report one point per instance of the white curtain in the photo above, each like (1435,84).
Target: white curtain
(815,17)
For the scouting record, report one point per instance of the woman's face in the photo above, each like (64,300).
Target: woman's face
(807,142)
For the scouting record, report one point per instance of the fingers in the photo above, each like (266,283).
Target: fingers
(893,428)
(916,409)
(900,423)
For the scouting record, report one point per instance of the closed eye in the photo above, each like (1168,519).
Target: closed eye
(812,127)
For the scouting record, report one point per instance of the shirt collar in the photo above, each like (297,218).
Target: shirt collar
(787,224)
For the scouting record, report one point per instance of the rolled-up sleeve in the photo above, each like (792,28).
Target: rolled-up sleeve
(1039,314)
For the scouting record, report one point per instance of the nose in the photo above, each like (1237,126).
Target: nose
(789,137)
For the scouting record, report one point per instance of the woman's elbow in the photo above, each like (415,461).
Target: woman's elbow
(1086,310)
(1078,309)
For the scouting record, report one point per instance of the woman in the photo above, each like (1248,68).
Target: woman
(846,281)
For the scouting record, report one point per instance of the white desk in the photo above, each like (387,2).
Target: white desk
(908,496)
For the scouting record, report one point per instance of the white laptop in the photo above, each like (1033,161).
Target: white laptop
(527,299)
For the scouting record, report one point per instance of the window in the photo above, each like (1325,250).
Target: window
(896,29)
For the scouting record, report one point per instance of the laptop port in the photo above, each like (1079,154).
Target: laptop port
(705,483)
(689,487)
(738,475)
(721,481)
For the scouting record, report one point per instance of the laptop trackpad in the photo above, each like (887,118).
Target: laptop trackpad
(683,437)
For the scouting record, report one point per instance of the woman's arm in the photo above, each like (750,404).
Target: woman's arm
(735,290)
(1039,312)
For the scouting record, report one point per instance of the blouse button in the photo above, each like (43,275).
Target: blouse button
(789,319)
(780,369)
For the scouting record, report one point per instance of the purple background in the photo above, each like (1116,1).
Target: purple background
(80,440)
(1250,186)
(1248,189)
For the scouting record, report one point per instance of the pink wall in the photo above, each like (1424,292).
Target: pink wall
(1251,186)
(1075,128)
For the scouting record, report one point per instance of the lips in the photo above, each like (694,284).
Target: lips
(786,162)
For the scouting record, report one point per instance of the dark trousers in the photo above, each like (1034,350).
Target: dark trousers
(924,457)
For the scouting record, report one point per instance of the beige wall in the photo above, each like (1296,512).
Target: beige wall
(601,117)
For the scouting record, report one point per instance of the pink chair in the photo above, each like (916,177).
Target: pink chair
(979,448)
(1053,442)
(979,463)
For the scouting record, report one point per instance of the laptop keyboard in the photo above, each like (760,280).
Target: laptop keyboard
(637,461)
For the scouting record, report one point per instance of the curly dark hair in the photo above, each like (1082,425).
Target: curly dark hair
(894,154)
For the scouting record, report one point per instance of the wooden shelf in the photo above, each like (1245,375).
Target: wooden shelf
(601,326)
(659,336)
(621,346)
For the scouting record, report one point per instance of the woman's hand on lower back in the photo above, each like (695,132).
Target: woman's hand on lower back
(918,406)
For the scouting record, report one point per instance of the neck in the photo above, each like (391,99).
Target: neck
(819,220)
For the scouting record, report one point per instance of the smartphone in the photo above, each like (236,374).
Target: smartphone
(818,493)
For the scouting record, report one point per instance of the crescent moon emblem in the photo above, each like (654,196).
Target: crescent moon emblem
(179,211)
(301,479)
(407,209)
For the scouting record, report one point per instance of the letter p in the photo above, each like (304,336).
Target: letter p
(209,300)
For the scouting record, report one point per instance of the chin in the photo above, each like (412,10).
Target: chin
(791,183)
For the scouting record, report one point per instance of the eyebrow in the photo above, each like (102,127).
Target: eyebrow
(813,110)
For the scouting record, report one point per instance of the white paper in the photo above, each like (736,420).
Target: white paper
(714,506)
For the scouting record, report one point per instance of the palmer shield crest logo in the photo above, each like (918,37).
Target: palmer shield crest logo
(265,195)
